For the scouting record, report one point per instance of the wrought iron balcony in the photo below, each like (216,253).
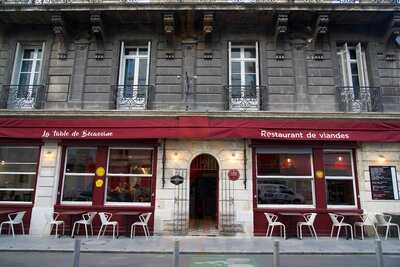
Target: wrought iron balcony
(22,96)
(360,99)
(244,98)
(132,97)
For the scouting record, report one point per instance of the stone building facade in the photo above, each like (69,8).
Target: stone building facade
(260,106)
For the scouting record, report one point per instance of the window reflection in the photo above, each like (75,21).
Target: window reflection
(284,164)
(129,175)
(284,191)
(340,192)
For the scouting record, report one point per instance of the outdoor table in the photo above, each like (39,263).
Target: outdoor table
(291,219)
(350,214)
(127,214)
(71,214)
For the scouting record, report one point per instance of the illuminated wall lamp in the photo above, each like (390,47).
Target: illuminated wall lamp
(381,159)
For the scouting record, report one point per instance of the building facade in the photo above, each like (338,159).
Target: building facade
(206,113)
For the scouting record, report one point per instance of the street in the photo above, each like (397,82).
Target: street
(61,259)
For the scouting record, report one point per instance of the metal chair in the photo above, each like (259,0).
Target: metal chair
(272,222)
(105,218)
(143,221)
(309,221)
(366,221)
(18,219)
(337,221)
(385,221)
(52,220)
(87,220)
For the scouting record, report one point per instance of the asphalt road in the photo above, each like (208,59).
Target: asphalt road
(45,259)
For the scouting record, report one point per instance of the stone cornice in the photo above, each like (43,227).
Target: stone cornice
(221,114)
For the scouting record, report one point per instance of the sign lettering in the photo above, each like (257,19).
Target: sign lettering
(304,135)
(75,133)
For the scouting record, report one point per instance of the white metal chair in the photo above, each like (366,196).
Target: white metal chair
(143,222)
(366,221)
(272,222)
(337,221)
(52,220)
(385,221)
(18,219)
(105,218)
(309,221)
(87,219)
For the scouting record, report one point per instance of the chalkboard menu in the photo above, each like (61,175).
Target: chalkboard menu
(383,182)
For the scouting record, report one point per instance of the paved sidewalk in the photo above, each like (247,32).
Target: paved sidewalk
(193,244)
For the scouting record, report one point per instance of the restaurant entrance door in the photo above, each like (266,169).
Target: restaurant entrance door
(203,195)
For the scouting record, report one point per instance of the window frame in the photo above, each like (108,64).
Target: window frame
(29,173)
(353,177)
(18,59)
(345,62)
(310,177)
(242,60)
(136,58)
(149,176)
(69,202)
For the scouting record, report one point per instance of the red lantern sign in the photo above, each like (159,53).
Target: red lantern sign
(233,174)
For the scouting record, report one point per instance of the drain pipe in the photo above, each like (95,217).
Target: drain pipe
(164,159)
(245,163)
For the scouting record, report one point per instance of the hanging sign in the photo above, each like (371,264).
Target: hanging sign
(233,175)
(99,183)
(176,179)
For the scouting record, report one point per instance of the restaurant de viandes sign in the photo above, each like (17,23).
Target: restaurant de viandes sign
(262,134)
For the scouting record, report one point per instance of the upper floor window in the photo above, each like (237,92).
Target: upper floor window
(25,83)
(18,167)
(243,75)
(354,67)
(133,76)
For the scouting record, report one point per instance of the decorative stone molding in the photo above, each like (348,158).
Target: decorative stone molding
(320,30)
(208,22)
(98,31)
(393,31)
(169,29)
(60,30)
(281,28)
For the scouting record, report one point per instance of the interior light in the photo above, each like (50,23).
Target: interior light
(3,162)
(340,158)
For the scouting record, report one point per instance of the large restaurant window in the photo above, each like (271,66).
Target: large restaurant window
(79,171)
(339,175)
(285,177)
(129,175)
(18,173)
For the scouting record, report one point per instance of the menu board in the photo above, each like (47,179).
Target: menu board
(383,182)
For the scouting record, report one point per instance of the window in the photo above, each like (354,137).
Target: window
(27,71)
(79,172)
(354,68)
(339,175)
(134,74)
(18,173)
(243,66)
(285,177)
(129,175)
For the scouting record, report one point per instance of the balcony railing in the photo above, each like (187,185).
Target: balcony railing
(360,99)
(244,98)
(22,96)
(132,97)
(235,2)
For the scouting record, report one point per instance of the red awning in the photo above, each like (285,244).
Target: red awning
(201,127)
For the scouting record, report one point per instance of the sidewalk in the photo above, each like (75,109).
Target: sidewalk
(195,245)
